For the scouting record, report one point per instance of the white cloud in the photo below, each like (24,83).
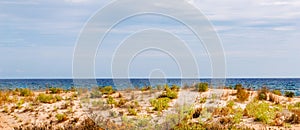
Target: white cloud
(284,28)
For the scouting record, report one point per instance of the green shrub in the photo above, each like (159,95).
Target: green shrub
(238,86)
(202,100)
(146,88)
(172,94)
(107,90)
(289,94)
(297,104)
(238,114)
(160,103)
(20,103)
(262,94)
(54,90)
(121,102)
(230,104)
(110,100)
(242,95)
(58,98)
(202,87)
(45,98)
(26,92)
(277,92)
(175,88)
(132,111)
(95,93)
(61,117)
(261,111)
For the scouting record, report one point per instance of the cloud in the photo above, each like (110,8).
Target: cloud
(284,28)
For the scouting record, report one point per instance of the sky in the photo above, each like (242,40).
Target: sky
(260,38)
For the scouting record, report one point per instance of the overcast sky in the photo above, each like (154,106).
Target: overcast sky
(260,38)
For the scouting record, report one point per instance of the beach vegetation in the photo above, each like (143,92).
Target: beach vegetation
(46,98)
(230,104)
(146,88)
(169,93)
(289,94)
(54,90)
(132,112)
(277,92)
(95,93)
(262,94)
(175,88)
(242,94)
(110,100)
(261,111)
(61,117)
(26,92)
(160,104)
(202,87)
(107,90)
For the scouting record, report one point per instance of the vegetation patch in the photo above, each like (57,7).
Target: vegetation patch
(160,103)
(202,87)
(242,94)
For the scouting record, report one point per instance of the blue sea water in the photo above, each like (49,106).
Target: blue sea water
(288,84)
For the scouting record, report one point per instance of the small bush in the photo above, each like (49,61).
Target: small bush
(238,114)
(146,88)
(121,102)
(160,103)
(230,104)
(175,88)
(61,117)
(197,112)
(169,93)
(262,94)
(132,111)
(26,92)
(95,94)
(260,111)
(58,98)
(242,95)
(107,90)
(54,90)
(45,98)
(277,92)
(110,100)
(289,94)
(202,100)
(202,87)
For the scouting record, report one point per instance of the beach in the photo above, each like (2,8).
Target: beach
(164,107)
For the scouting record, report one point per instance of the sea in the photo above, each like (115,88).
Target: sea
(283,84)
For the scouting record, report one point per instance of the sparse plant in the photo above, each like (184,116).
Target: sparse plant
(262,94)
(146,88)
(54,90)
(111,101)
(289,94)
(107,90)
(202,100)
(45,98)
(61,117)
(26,92)
(260,111)
(202,87)
(242,95)
(230,104)
(160,103)
(277,92)
(58,98)
(95,93)
(132,111)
